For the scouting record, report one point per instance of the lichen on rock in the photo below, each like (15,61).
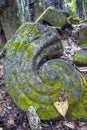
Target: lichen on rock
(34,74)
(81,110)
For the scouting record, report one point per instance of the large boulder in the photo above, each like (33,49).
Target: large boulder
(53,17)
(35,74)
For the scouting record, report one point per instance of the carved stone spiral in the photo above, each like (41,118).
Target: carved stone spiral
(34,72)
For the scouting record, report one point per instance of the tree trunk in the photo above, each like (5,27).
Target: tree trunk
(80,9)
(43,3)
(61,4)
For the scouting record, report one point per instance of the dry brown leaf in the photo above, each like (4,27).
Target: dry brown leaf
(62,107)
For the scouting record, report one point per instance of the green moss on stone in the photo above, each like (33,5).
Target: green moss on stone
(80,58)
(81,110)
(30,84)
(74,20)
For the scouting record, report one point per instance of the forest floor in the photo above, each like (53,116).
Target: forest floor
(13,118)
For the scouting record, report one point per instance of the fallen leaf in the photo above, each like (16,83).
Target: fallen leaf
(62,107)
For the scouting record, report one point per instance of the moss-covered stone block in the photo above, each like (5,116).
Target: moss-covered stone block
(81,35)
(35,75)
(80,58)
(53,17)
